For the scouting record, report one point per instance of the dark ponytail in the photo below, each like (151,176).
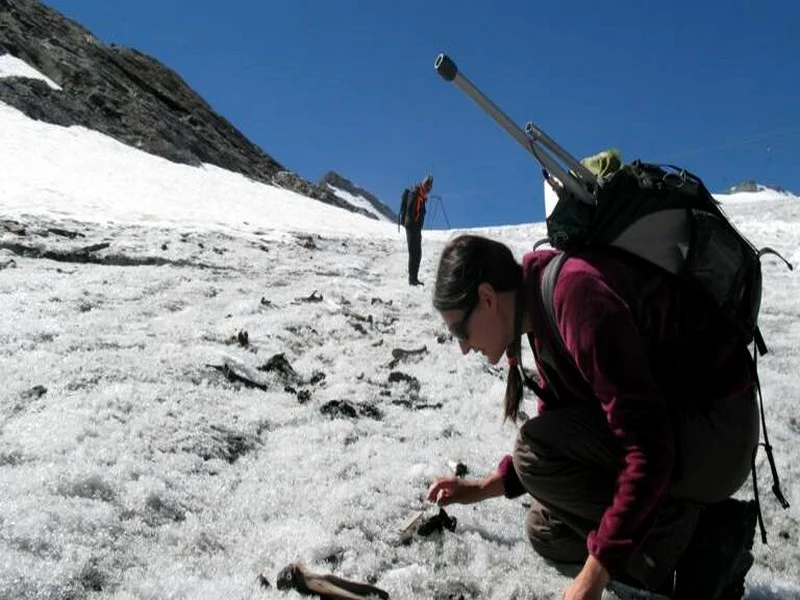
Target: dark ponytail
(516,374)
(514,388)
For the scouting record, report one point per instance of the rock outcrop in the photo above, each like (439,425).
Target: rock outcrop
(292,181)
(132,98)
(342,183)
(749,185)
(117,91)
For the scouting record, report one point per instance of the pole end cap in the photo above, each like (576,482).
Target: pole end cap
(445,66)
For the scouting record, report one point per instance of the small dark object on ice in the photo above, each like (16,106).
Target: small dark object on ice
(437,522)
(306,241)
(278,364)
(458,468)
(401,354)
(314,297)
(328,587)
(234,373)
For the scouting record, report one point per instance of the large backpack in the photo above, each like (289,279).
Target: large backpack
(401,217)
(666,216)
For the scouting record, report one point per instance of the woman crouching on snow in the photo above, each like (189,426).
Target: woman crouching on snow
(647,417)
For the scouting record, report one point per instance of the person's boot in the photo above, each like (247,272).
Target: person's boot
(718,558)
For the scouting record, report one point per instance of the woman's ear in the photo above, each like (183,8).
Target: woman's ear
(487,296)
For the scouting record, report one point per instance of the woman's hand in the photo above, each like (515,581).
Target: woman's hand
(456,490)
(589,583)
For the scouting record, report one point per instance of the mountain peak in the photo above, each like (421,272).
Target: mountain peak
(355,194)
(750,185)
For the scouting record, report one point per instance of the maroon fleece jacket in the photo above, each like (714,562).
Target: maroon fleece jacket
(643,347)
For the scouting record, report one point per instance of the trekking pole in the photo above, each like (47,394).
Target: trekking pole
(447,69)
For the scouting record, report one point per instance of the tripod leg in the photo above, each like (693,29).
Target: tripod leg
(444,212)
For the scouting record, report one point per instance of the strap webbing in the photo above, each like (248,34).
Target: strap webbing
(776,482)
(549,279)
(515,349)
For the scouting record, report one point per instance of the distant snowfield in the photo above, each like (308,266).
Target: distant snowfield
(357,201)
(762,195)
(11,66)
(135,465)
(81,172)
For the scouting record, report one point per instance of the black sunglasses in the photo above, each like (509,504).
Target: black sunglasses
(459,330)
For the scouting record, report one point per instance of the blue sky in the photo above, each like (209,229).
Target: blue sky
(350,86)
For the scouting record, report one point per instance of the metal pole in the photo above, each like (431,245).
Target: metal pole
(449,72)
(447,69)
(566,179)
(538,135)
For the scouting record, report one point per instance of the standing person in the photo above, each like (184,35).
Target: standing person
(647,420)
(412,217)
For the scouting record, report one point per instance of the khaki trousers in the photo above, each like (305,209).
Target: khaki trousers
(568,461)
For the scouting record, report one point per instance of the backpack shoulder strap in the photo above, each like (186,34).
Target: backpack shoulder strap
(758,338)
(549,279)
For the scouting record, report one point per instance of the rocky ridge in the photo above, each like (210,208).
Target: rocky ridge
(751,185)
(332,178)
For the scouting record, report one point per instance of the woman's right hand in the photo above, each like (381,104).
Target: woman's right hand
(456,490)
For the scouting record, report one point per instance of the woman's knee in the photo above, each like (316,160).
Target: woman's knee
(536,446)
(552,539)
